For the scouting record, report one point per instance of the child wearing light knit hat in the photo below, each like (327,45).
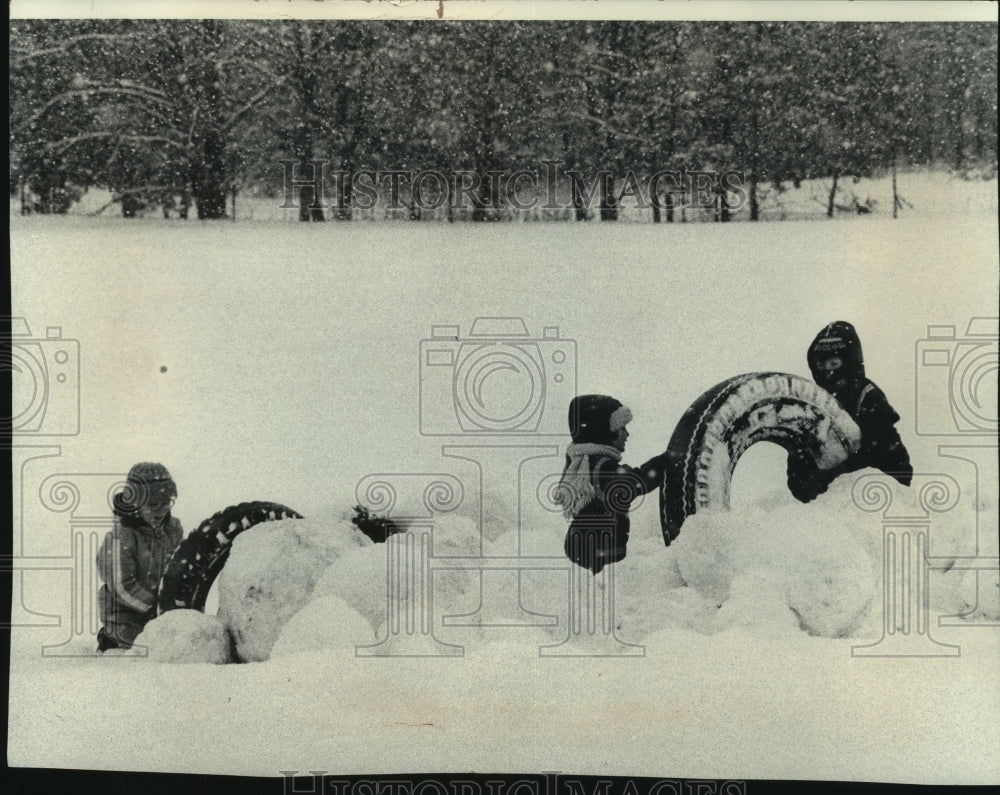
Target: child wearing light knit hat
(135,552)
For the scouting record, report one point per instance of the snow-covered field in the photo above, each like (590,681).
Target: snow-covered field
(277,361)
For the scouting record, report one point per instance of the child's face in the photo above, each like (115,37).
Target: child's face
(831,371)
(619,438)
(155,511)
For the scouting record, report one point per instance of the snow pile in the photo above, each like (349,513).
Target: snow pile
(774,566)
(326,623)
(958,513)
(646,583)
(361,577)
(357,578)
(733,691)
(185,636)
(270,575)
(809,557)
(979,595)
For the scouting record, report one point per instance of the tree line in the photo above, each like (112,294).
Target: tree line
(187,113)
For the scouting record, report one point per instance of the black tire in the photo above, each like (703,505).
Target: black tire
(199,558)
(717,429)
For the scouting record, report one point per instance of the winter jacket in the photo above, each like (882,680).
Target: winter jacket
(131,561)
(881,446)
(599,530)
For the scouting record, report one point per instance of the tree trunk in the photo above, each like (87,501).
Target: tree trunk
(895,194)
(310,200)
(576,194)
(655,201)
(833,194)
(208,176)
(724,214)
(345,195)
(304,80)
(130,205)
(487,201)
(208,169)
(609,204)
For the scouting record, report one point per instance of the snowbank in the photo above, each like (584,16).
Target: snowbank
(326,623)
(270,575)
(299,396)
(806,553)
(185,636)
(361,577)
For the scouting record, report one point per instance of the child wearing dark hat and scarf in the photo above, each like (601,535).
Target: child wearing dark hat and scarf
(596,489)
(837,364)
(134,554)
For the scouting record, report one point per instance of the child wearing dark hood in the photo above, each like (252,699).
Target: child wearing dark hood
(596,489)
(837,364)
(134,554)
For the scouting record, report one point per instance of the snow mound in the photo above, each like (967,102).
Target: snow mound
(981,596)
(326,623)
(757,602)
(644,581)
(456,536)
(961,525)
(271,573)
(361,577)
(811,555)
(185,636)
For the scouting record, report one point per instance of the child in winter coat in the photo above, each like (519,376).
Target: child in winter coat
(837,365)
(596,489)
(134,554)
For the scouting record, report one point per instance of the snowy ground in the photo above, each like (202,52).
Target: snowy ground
(275,361)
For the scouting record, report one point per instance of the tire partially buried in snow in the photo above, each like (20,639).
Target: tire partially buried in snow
(717,429)
(199,558)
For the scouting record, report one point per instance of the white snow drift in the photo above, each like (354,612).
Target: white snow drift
(280,361)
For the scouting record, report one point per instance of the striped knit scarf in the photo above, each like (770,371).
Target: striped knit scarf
(576,487)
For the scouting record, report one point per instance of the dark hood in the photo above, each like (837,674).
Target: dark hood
(838,339)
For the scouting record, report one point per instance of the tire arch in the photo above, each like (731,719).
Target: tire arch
(725,421)
(199,558)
